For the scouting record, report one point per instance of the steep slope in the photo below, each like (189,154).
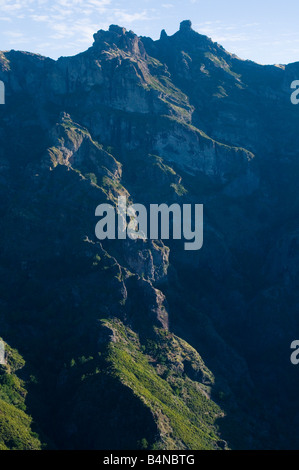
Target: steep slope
(72,282)
(140,343)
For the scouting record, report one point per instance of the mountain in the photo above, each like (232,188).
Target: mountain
(126,344)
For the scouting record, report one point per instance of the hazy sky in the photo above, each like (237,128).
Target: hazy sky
(262,30)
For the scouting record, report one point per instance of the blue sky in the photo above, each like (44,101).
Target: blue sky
(262,30)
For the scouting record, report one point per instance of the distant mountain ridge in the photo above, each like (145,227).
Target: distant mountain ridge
(140,344)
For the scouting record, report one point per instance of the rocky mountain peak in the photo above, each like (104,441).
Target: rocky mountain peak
(185,26)
(118,36)
(117,29)
(163,35)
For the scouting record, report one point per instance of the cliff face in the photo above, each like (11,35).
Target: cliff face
(140,343)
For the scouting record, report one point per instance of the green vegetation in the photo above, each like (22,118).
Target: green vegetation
(15,429)
(184,413)
(161,164)
(179,189)
(92,177)
(15,425)
(221,63)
